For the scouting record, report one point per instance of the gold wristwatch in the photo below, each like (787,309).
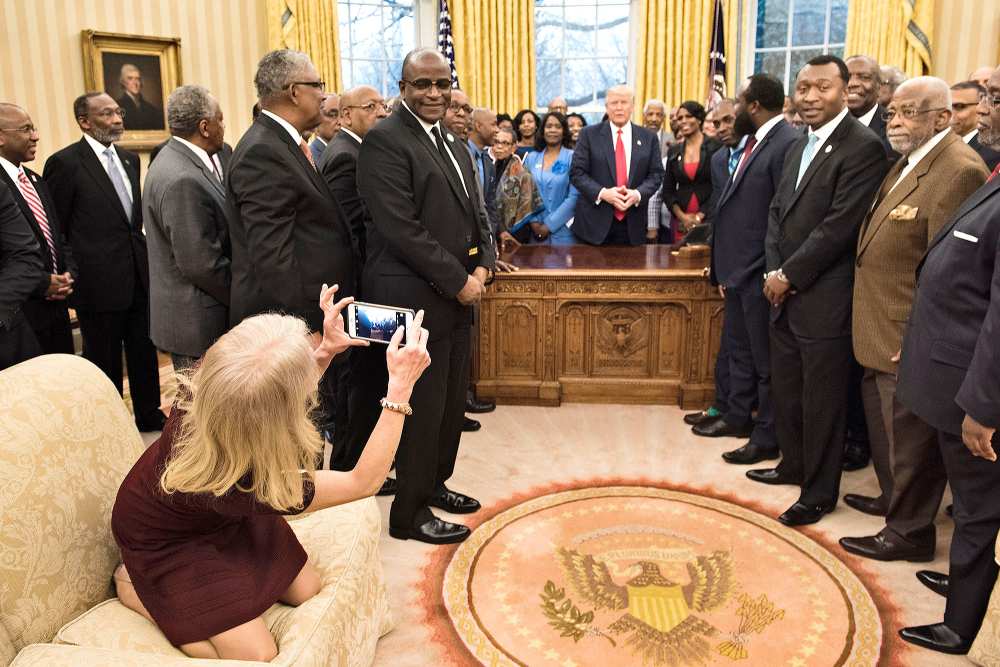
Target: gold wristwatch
(401,408)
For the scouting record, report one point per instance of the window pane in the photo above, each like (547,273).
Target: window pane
(838,21)
(612,31)
(580,22)
(374,37)
(839,52)
(548,32)
(772,23)
(578,84)
(608,73)
(809,22)
(771,62)
(548,81)
(799,59)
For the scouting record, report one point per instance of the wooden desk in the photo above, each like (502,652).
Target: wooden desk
(600,325)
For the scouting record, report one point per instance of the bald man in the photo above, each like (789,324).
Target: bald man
(328,127)
(559,105)
(917,198)
(981,75)
(862,97)
(457,116)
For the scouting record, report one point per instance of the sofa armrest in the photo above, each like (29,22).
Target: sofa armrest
(63,655)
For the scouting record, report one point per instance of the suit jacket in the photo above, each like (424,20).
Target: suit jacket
(740,209)
(989,156)
(340,169)
(20,262)
(317,147)
(666,138)
(677,187)
(879,127)
(109,249)
(187,226)
(593,168)
(488,192)
(812,231)
(141,115)
(425,235)
(895,236)
(950,361)
(288,234)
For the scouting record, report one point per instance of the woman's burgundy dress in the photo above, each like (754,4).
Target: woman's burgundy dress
(200,564)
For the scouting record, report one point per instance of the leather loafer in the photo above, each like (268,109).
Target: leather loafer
(719,428)
(865,504)
(801,514)
(478,407)
(937,637)
(151,423)
(750,453)
(456,503)
(389,487)
(469,425)
(856,456)
(695,418)
(936,581)
(435,531)
(884,547)
(771,476)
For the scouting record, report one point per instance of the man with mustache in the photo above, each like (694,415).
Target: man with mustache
(936,174)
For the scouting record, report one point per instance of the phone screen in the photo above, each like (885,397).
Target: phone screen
(378,323)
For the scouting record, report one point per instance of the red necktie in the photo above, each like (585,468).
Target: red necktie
(621,170)
(308,153)
(35,204)
(751,142)
(996,171)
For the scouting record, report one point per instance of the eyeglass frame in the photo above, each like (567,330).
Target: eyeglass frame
(431,83)
(909,114)
(994,99)
(318,85)
(369,107)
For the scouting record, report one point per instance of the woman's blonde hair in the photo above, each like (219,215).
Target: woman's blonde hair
(247,410)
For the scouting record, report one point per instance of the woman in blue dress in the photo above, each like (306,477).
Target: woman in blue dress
(549,167)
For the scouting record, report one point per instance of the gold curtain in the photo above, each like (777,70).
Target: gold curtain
(894,32)
(309,26)
(495,52)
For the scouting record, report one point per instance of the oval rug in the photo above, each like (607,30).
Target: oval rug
(634,575)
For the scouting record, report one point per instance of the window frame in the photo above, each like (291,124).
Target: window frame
(752,50)
(347,58)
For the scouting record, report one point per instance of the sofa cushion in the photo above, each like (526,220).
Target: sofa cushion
(66,442)
(57,655)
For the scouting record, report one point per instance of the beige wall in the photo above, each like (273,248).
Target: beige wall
(41,61)
(966,36)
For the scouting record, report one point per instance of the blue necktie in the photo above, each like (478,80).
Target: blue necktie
(734,159)
(118,183)
(807,156)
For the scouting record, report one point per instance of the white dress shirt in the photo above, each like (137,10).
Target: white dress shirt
(292,132)
(351,134)
(765,128)
(824,131)
(99,149)
(867,117)
(200,152)
(970,136)
(13,171)
(447,136)
(916,156)
(627,145)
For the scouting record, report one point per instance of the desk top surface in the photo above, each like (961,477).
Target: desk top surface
(577,259)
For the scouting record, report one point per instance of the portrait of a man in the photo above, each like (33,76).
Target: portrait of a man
(134,81)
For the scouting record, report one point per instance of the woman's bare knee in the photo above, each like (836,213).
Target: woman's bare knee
(307,584)
(250,641)
(126,592)
(202,649)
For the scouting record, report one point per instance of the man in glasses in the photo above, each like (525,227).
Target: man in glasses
(328,127)
(95,187)
(936,174)
(288,234)
(429,247)
(964,101)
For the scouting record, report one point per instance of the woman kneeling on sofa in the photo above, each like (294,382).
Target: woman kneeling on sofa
(198,519)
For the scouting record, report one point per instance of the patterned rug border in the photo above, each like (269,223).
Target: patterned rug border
(892,651)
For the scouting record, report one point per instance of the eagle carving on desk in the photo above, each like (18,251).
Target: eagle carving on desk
(659,619)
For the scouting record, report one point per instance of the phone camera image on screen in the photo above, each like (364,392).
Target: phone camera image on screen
(377,323)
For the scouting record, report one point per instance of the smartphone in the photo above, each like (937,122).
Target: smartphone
(375,323)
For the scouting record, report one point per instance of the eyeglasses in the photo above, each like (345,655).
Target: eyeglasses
(370,107)
(108,113)
(993,100)
(26,129)
(332,113)
(460,107)
(425,84)
(909,113)
(502,142)
(962,106)
(318,85)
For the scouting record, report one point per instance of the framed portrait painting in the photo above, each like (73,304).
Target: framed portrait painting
(139,72)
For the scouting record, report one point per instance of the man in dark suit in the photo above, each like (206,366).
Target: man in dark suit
(140,114)
(361,108)
(429,248)
(289,235)
(46,310)
(20,272)
(964,120)
(617,168)
(187,225)
(949,376)
(829,179)
(328,127)
(95,187)
(862,98)
(739,219)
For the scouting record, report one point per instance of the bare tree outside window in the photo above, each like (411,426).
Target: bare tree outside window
(374,37)
(789,33)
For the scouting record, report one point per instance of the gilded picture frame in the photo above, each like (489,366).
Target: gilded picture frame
(139,72)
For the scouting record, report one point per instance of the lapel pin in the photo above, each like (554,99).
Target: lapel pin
(828,149)
(451,138)
(638,143)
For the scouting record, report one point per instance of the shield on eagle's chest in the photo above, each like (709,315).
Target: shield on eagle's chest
(660,607)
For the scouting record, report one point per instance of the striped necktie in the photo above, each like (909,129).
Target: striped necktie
(35,204)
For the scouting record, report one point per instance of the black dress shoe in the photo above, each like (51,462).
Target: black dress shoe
(884,547)
(750,453)
(478,407)
(435,531)
(865,504)
(801,514)
(151,423)
(695,418)
(389,487)
(456,503)
(469,425)
(719,428)
(937,637)
(936,581)
(771,476)
(856,456)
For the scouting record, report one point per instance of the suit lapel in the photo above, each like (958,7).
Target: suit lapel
(424,139)
(736,178)
(877,215)
(829,147)
(19,198)
(96,170)
(978,197)
(189,155)
(639,152)
(296,153)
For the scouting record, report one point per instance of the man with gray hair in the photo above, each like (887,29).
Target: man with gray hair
(140,114)
(187,229)
(890,78)
(654,116)
(918,196)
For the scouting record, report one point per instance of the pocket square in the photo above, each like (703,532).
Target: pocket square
(903,212)
(965,237)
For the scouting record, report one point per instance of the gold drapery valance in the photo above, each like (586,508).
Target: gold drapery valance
(309,26)
(894,32)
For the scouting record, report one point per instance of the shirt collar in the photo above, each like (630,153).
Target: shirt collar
(13,171)
(476,150)
(766,127)
(824,131)
(199,151)
(351,134)
(97,146)
(423,123)
(296,137)
(320,140)
(867,117)
(970,136)
(920,153)
(626,132)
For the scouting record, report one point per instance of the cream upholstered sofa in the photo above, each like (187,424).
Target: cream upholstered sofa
(66,442)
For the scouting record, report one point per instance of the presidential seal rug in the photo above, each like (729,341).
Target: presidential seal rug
(640,575)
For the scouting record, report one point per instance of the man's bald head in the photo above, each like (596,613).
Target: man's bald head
(929,89)
(424,56)
(982,75)
(352,96)
(19,139)
(863,85)
(559,105)
(361,108)
(484,126)
(920,108)
(9,112)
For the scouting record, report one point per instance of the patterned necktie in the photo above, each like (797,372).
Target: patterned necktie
(621,170)
(35,204)
(308,153)
(118,182)
(807,156)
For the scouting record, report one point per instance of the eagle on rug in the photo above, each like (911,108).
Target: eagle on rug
(659,619)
